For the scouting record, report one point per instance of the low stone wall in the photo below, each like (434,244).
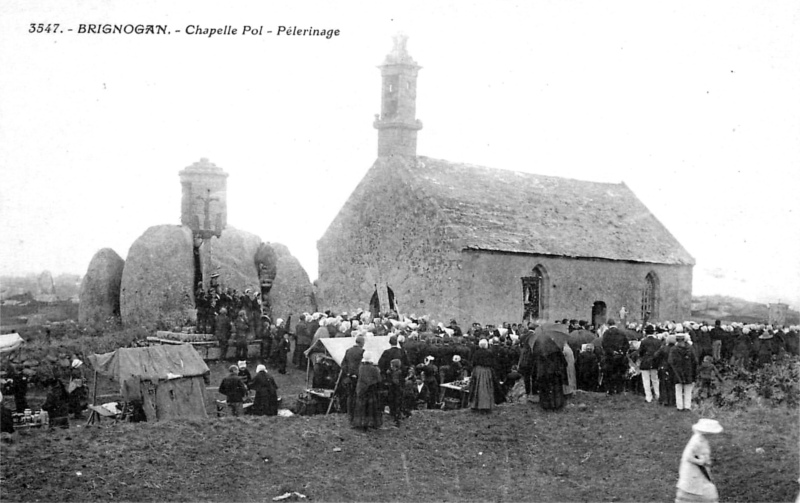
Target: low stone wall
(39,365)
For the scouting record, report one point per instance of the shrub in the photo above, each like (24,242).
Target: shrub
(771,385)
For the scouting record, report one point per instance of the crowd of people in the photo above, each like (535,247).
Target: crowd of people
(663,362)
(238,318)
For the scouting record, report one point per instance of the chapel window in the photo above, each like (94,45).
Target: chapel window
(649,297)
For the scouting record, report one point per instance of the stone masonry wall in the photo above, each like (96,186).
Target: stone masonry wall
(385,234)
(491,288)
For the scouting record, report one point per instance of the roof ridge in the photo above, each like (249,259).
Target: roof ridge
(524,173)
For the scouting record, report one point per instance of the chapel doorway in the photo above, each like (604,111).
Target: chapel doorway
(598,313)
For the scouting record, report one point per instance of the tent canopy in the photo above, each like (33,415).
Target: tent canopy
(150,363)
(10,342)
(338,346)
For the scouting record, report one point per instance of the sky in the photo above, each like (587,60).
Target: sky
(693,105)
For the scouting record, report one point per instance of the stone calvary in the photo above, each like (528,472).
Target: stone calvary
(156,285)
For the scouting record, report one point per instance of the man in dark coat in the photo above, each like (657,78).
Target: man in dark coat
(683,362)
(742,349)
(648,364)
(526,361)
(302,342)
(234,390)
(701,341)
(350,364)
(18,388)
(242,329)
(6,417)
(265,336)
(390,354)
(615,364)
(223,333)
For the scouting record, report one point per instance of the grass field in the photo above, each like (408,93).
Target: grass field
(613,449)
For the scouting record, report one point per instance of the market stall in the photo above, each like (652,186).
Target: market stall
(454,395)
(332,350)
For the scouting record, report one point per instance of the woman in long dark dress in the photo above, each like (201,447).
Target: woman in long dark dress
(368,411)
(551,373)
(481,384)
(266,400)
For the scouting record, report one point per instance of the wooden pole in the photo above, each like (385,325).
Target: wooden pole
(308,370)
(92,415)
(94,393)
(330,404)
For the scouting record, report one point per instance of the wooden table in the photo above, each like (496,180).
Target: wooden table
(98,412)
(462,390)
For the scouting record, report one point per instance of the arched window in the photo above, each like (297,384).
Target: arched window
(534,294)
(650,297)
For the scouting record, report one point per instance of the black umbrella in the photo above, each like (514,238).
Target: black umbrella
(549,338)
(631,335)
(578,337)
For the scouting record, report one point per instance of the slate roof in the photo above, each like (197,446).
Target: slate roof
(510,211)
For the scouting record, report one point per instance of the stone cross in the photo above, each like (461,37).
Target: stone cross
(207,209)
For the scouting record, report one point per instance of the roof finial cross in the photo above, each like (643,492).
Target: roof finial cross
(400,40)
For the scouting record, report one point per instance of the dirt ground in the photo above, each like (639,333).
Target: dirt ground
(598,448)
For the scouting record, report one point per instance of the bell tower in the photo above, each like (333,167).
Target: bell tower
(397,124)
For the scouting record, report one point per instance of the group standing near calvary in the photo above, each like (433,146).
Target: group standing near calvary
(236,318)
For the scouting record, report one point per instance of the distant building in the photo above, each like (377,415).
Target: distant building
(777,313)
(453,240)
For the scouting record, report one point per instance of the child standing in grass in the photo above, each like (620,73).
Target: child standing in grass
(707,372)
(396,388)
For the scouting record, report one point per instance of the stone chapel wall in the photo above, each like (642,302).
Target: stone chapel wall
(385,234)
(491,288)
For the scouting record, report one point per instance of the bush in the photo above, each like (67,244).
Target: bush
(771,385)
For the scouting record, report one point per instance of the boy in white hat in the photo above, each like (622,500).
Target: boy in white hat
(694,476)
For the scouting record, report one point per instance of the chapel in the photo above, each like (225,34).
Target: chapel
(458,241)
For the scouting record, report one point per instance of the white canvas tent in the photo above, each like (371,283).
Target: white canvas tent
(10,342)
(337,347)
